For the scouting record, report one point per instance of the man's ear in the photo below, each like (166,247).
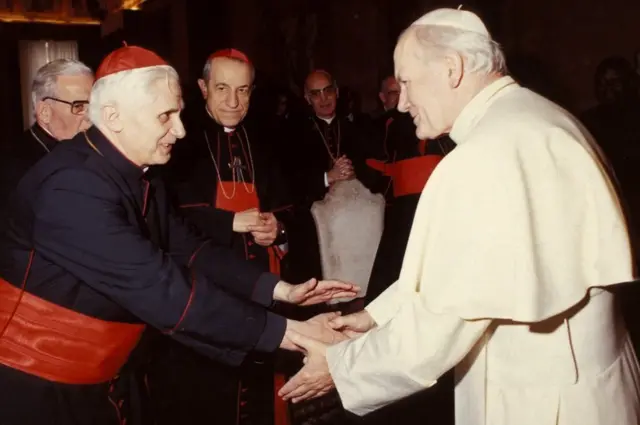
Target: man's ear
(111,118)
(382,97)
(203,88)
(43,112)
(455,66)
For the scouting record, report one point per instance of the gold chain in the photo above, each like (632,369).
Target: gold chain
(39,141)
(326,144)
(233,170)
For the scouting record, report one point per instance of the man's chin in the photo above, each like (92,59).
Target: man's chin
(230,122)
(428,133)
(161,159)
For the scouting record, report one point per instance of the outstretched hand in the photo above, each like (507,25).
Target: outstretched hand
(314,292)
(314,379)
(318,328)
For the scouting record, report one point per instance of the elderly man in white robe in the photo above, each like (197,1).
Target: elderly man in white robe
(518,241)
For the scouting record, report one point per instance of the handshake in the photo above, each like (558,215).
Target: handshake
(312,338)
(327,328)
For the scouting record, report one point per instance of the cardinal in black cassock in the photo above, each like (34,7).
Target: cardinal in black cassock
(323,148)
(93,254)
(226,181)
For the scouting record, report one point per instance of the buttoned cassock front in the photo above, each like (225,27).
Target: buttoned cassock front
(516,242)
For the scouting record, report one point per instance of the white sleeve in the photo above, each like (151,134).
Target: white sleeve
(326,180)
(384,307)
(406,355)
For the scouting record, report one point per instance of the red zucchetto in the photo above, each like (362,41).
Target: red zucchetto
(127,58)
(231,54)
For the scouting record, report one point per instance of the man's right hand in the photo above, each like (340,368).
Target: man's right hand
(317,327)
(342,170)
(244,220)
(353,325)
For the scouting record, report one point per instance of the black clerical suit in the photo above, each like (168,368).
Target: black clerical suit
(213,174)
(92,253)
(20,155)
(313,146)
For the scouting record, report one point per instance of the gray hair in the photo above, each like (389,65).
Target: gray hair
(206,71)
(131,88)
(45,82)
(480,53)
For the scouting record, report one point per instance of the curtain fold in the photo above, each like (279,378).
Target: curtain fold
(33,55)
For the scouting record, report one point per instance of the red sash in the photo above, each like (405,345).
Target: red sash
(60,345)
(241,200)
(377,165)
(411,175)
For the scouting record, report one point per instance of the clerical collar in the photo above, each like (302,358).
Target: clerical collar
(43,137)
(226,129)
(327,120)
(476,108)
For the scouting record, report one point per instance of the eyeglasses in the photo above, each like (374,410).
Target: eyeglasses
(78,107)
(328,91)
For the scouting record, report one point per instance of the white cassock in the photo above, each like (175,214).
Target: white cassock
(516,237)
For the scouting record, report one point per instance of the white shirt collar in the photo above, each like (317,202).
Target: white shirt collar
(328,120)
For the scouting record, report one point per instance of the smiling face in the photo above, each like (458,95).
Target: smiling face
(426,91)
(228,90)
(147,134)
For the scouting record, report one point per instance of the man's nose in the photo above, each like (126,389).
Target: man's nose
(232,100)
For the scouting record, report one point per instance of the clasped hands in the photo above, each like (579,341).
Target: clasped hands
(262,226)
(342,170)
(312,338)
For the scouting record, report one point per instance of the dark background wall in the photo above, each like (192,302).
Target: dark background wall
(552,45)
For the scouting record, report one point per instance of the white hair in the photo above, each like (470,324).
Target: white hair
(45,82)
(480,53)
(131,88)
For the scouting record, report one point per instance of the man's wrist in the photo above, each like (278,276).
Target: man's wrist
(235,224)
(281,291)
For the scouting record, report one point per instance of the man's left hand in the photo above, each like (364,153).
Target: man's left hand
(314,379)
(314,291)
(265,233)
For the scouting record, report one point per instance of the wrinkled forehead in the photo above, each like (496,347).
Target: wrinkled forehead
(167,93)
(405,58)
(79,84)
(231,71)
(408,56)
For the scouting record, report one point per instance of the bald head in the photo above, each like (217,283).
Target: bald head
(321,93)
(389,93)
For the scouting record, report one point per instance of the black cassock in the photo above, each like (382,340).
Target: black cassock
(20,155)
(313,146)
(409,163)
(92,253)
(213,174)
